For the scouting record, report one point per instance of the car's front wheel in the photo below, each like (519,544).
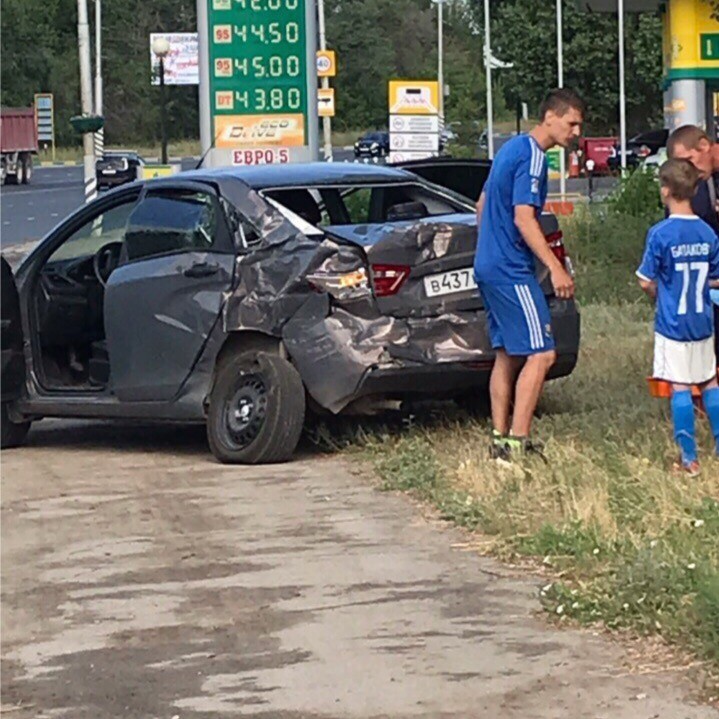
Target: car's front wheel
(12,434)
(257,409)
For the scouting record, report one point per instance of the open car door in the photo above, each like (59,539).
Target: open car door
(463,176)
(13,430)
(13,363)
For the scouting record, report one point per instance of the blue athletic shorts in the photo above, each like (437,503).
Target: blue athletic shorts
(518,317)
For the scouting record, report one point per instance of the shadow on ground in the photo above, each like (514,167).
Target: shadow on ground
(322,435)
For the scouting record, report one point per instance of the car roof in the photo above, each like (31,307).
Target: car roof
(303,174)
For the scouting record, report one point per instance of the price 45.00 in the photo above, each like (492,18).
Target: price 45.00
(258,67)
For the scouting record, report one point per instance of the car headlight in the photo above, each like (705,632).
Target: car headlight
(374,145)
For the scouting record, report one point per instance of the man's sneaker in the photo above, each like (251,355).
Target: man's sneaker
(689,469)
(505,447)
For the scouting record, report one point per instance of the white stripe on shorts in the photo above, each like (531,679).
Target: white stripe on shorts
(531,317)
(535,316)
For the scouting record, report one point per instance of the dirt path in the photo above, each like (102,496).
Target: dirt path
(140,579)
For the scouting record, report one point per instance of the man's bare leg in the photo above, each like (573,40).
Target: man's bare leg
(501,385)
(529,388)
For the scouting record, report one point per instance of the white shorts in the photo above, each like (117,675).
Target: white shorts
(684,362)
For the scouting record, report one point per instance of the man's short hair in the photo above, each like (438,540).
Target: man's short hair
(688,136)
(680,177)
(560,101)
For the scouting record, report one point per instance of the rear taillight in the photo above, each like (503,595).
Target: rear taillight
(387,279)
(555,240)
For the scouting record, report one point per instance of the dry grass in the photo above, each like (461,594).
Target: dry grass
(635,545)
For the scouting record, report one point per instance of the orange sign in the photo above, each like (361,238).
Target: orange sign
(413,97)
(266,130)
(326,63)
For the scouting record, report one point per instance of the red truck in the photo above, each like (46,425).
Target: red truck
(18,143)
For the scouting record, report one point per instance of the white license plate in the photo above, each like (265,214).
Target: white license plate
(109,172)
(447,283)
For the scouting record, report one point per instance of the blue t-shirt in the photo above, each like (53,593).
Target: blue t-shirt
(681,256)
(518,177)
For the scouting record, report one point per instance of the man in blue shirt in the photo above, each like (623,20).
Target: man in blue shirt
(680,260)
(510,238)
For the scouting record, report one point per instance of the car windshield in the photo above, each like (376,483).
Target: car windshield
(373,136)
(368,203)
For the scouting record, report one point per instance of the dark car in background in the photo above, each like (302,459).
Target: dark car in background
(372,144)
(239,297)
(116,168)
(639,148)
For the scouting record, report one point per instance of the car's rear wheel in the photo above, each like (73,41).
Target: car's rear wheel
(19,173)
(257,409)
(12,434)
(27,169)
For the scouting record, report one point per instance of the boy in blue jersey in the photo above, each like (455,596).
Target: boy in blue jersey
(510,238)
(680,260)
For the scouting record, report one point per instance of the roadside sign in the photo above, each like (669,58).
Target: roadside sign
(408,156)
(150,172)
(261,156)
(414,141)
(414,123)
(326,102)
(258,79)
(45,119)
(181,63)
(413,97)
(326,63)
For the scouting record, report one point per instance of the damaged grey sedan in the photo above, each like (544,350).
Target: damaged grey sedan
(244,298)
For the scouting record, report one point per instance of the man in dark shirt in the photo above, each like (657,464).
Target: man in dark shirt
(690,142)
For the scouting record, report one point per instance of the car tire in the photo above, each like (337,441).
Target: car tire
(27,169)
(12,434)
(19,173)
(257,409)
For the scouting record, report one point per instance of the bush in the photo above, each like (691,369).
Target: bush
(606,248)
(637,196)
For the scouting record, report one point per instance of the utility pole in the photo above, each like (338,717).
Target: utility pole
(560,78)
(326,125)
(83,42)
(440,53)
(100,134)
(622,93)
(488,65)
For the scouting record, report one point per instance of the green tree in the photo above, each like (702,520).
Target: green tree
(525,34)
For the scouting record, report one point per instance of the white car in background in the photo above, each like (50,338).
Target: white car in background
(655,161)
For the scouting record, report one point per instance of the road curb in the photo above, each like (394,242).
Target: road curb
(63,163)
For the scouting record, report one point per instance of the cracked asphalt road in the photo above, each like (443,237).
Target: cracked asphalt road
(140,579)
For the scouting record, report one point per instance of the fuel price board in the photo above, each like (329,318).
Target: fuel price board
(258,64)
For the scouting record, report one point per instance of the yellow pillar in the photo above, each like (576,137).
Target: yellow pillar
(691,64)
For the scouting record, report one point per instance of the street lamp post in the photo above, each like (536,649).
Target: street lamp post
(440,57)
(100,134)
(161,48)
(488,69)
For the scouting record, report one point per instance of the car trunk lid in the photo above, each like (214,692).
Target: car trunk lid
(424,268)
